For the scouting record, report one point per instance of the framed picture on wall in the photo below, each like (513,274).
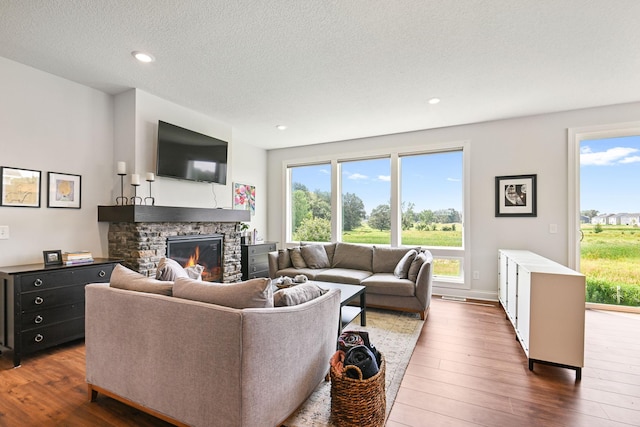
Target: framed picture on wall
(64,190)
(244,197)
(516,195)
(20,187)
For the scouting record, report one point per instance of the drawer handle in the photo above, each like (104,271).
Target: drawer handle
(39,300)
(38,282)
(102,273)
(38,338)
(38,319)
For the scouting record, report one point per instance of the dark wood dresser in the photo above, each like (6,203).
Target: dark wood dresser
(255,262)
(44,306)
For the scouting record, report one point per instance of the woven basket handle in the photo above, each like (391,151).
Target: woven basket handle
(346,368)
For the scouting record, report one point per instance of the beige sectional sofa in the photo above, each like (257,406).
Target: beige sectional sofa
(395,278)
(200,364)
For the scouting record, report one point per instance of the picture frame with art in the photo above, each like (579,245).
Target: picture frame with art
(20,187)
(516,196)
(52,257)
(244,197)
(64,190)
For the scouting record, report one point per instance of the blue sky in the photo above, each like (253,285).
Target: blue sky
(610,174)
(431,181)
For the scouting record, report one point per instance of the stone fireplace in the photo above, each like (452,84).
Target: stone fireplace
(204,250)
(138,234)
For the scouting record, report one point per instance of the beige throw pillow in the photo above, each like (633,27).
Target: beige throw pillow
(297,294)
(315,256)
(254,293)
(284,260)
(124,278)
(353,256)
(169,269)
(417,262)
(296,258)
(402,269)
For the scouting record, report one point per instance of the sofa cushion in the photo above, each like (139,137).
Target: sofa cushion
(342,275)
(254,293)
(386,258)
(416,264)
(297,294)
(353,256)
(389,284)
(169,269)
(124,278)
(402,269)
(311,273)
(296,258)
(284,260)
(315,256)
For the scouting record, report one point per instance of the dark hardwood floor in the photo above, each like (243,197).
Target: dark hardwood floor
(467,370)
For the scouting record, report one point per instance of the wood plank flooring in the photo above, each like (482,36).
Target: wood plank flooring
(467,370)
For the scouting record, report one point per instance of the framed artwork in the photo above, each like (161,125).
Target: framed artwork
(52,258)
(244,197)
(64,190)
(20,187)
(516,195)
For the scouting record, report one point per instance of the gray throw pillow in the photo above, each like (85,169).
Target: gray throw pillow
(417,262)
(169,269)
(297,294)
(254,293)
(402,269)
(296,258)
(284,260)
(315,256)
(124,278)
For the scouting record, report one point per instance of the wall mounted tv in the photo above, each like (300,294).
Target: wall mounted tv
(185,154)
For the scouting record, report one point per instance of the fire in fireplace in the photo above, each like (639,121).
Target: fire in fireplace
(201,249)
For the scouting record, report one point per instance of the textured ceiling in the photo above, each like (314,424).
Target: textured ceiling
(334,70)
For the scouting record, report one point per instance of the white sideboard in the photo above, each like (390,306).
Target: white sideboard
(545,302)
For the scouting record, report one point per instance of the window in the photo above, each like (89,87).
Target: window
(365,202)
(310,195)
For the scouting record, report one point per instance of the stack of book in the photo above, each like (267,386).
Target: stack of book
(79,257)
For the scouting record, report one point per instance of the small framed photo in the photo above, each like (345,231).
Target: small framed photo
(64,190)
(516,195)
(52,258)
(20,187)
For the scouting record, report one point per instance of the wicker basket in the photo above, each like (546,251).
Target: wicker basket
(358,402)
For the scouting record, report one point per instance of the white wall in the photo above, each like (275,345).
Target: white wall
(53,125)
(529,145)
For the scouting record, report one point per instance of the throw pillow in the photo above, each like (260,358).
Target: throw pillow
(402,269)
(417,262)
(297,294)
(169,269)
(124,278)
(296,258)
(284,260)
(315,256)
(254,293)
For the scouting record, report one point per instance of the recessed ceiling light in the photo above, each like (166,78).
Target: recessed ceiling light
(281,127)
(142,56)
(434,101)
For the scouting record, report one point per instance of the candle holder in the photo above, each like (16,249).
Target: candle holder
(136,200)
(150,198)
(121,200)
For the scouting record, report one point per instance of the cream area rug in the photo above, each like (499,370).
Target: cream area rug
(394,334)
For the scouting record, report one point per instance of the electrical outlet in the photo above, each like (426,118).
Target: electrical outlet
(4,232)
(476,275)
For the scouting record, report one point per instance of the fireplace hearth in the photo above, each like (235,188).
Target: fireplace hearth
(202,249)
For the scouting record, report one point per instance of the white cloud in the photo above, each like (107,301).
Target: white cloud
(631,159)
(384,177)
(606,158)
(357,176)
(454,179)
(325,171)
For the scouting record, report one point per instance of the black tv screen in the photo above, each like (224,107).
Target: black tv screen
(185,154)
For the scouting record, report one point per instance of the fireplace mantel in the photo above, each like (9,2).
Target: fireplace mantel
(143,213)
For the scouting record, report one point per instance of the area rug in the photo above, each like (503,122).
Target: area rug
(395,335)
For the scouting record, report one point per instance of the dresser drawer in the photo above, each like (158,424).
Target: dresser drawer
(50,298)
(261,249)
(259,273)
(47,336)
(41,318)
(253,268)
(259,259)
(78,276)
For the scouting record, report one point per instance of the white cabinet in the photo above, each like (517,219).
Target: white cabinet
(545,302)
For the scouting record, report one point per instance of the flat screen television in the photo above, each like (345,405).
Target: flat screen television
(185,154)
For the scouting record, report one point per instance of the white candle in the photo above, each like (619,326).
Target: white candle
(135,179)
(122,168)
(151,177)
